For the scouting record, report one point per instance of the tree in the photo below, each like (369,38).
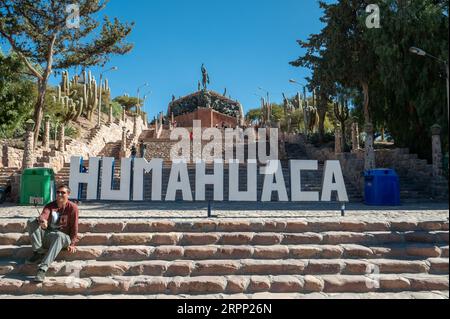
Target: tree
(410,95)
(16,95)
(254,115)
(340,51)
(37,31)
(128,101)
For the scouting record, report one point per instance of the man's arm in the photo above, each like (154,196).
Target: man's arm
(74,227)
(45,214)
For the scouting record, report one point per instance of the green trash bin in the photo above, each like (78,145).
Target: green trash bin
(37,186)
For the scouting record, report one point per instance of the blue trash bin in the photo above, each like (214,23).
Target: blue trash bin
(381,187)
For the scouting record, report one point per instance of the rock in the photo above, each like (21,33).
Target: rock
(271,252)
(302,238)
(131,239)
(199,239)
(222,267)
(168,252)
(179,268)
(236,239)
(114,268)
(286,284)
(267,239)
(200,252)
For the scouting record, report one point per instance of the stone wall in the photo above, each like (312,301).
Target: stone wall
(209,118)
(106,134)
(11,157)
(159,149)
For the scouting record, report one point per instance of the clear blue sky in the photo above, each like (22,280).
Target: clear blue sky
(245,44)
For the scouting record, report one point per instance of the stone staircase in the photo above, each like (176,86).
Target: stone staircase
(236,258)
(417,183)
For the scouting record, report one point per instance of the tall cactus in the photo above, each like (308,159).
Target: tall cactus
(341,112)
(90,96)
(67,96)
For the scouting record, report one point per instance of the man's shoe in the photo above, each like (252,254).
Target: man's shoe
(35,259)
(40,277)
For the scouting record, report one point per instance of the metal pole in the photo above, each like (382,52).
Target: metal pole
(209,209)
(100,102)
(448,97)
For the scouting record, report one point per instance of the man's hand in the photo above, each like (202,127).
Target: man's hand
(43,224)
(72,249)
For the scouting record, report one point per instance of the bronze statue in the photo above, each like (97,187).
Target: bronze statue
(205,77)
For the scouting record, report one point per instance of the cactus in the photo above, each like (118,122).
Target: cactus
(341,112)
(67,95)
(80,95)
(90,96)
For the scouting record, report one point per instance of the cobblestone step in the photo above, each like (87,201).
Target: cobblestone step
(195,268)
(226,284)
(220,252)
(259,296)
(246,238)
(242,225)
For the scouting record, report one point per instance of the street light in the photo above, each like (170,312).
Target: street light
(146,95)
(138,91)
(114,68)
(421,52)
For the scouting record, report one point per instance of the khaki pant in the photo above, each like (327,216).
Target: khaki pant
(47,241)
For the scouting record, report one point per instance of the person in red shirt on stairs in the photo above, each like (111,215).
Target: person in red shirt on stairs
(55,229)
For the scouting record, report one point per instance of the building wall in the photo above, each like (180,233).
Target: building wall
(208,117)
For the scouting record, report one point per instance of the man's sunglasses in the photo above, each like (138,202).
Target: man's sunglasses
(61,193)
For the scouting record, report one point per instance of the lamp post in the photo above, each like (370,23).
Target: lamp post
(296,82)
(269,111)
(138,101)
(146,95)
(114,68)
(421,52)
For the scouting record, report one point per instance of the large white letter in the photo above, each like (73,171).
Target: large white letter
(179,180)
(202,179)
(269,186)
(184,145)
(333,169)
(90,178)
(197,141)
(107,192)
(297,195)
(213,150)
(251,195)
(141,167)
(273,145)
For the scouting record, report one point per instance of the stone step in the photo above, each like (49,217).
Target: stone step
(258,296)
(194,268)
(225,225)
(220,252)
(225,284)
(245,238)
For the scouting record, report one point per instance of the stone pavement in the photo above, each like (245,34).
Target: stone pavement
(186,211)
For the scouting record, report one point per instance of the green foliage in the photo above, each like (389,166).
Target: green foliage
(403,93)
(116,109)
(253,115)
(37,31)
(411,94)
(129,102)
(17,96)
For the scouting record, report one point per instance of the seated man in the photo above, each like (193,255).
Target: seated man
(56,228)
